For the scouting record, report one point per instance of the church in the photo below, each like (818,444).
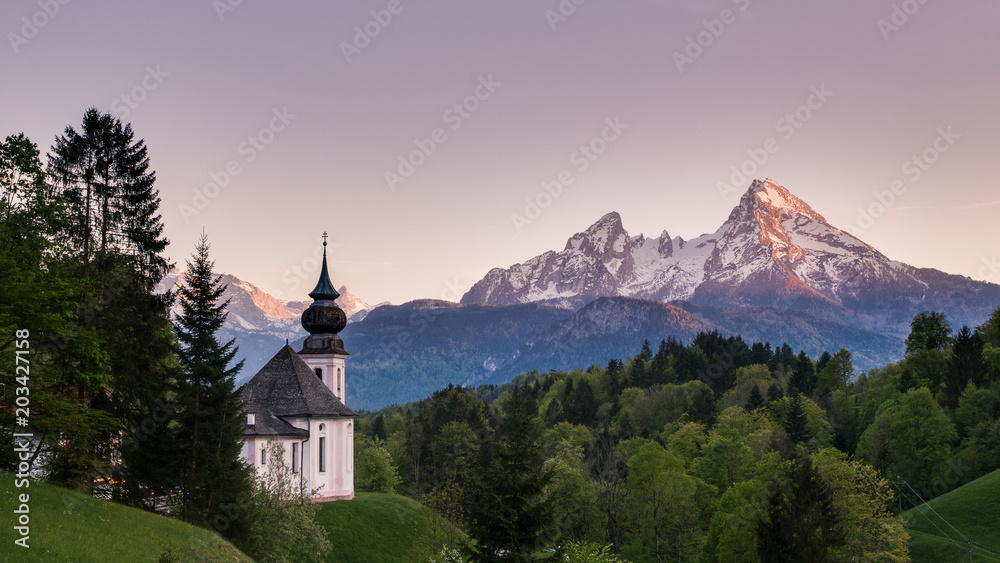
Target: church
(298,399)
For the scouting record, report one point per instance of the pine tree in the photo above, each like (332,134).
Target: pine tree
(774,393)
(907,381)
(210,410)
(103,174)
(796,422)
(803,379)
(511,519)
(582,409)
(378,428)
(799,521)
(614,377)
(759,354)
(659,371)
(646,352)
(966,364)
(756,400)
(824,358)
(113,237)
(638,375)
(783,359)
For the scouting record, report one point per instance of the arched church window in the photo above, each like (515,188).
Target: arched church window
(322,427)
(319,373)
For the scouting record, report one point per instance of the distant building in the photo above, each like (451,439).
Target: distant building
(299,401)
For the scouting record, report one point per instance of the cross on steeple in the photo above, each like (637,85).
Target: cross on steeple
(324,288)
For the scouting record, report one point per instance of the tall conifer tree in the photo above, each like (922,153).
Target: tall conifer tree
(209,408)
(799,521)
(795,421)
(965,364)
(113,237)
(511,518)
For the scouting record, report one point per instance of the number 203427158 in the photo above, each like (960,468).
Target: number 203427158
(22,372)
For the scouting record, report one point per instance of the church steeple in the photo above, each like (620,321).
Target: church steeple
(324,288)
(324,319)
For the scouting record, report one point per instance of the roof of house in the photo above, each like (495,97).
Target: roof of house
(266,424)
(287,386)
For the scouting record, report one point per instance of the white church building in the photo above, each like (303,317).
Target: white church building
(298,400)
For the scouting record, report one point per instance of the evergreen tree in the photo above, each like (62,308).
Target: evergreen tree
(582,408)
(795,421)
(774,393)
(702,407)
(210,413)
(646,352)
(614,377)
(378,428)
(511,519)
(966,364)
(103,173)
(691,364)
(783,359)
(824,358)
(759,354)
(907,381)
(803,379)
(659,371)
(638,374)
(114,234)
(756,400)
(799,521)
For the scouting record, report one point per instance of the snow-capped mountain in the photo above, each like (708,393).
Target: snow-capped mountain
(252,308)
(773,250)
(260,322)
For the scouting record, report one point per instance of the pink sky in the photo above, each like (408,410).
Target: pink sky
(306,117)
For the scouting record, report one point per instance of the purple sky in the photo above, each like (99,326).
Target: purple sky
(545,86)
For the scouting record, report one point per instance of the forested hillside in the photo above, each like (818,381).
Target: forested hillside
(717,450)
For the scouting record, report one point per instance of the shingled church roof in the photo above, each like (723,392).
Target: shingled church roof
(266,424)
(287,386)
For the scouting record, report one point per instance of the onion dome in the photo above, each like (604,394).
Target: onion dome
(324,319)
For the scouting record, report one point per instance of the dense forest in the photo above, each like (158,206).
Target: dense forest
(718,450)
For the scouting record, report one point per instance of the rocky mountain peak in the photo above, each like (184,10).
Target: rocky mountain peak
(605,237)
(772,246)
(774,197)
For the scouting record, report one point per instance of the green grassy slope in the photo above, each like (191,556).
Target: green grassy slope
(381,527)
(70,526)
(973,509)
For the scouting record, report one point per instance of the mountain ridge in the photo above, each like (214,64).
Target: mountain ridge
(772,250)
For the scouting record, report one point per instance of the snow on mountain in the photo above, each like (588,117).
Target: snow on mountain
(773,250)
(594,263)
(260,322)
(355,308)
(252,308)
